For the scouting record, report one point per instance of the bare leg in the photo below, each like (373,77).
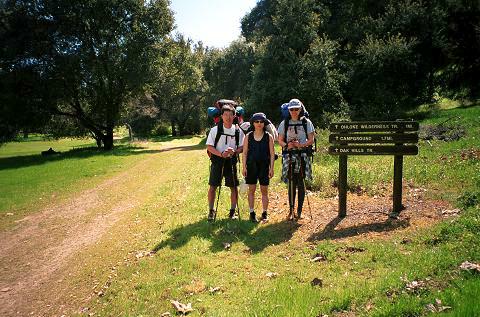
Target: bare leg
(211,196)
(251,195)
(264,190)
(233,197)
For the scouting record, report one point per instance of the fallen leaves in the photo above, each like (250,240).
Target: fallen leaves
(470,154)
(437,307)
(142,254)
(318,257)
(214,290)
(196,286)
(468,266)
(415,286)
(271,274)
(451,212)
(182,308)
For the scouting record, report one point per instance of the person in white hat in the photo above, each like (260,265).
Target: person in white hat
(296,136)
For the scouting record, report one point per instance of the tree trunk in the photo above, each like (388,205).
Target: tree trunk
(98,139)
(25,134)
(130,131)
(108,140)
(174,131)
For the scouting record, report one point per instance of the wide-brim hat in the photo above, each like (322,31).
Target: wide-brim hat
(258,116)
(295,103)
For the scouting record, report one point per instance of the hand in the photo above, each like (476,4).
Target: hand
(291,145)
(244,172)
(270,173)
(297,144)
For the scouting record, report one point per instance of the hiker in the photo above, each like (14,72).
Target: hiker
(296,136)
(224,143)
(258,162)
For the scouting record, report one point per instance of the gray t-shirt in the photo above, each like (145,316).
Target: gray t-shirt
(296,130)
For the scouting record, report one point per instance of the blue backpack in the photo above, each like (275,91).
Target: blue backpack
(285,114)
(303,118)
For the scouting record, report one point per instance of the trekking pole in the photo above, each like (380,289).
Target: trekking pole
(305,188)
(291,200)
(234,175)
(219,190)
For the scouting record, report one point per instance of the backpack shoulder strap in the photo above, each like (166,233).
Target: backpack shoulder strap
(237,135)
(304,124)
(285,127)
(250,138)
(219,133)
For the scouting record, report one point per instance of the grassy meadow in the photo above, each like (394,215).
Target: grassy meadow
(166,250)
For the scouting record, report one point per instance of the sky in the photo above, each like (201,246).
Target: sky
(214,22)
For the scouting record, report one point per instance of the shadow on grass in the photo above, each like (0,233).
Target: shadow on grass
(87,152)
(329,232)
(231,231)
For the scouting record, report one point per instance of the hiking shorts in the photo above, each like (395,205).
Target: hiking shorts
(216,173)
(258,171)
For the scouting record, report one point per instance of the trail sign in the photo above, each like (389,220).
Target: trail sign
(388,138)
(373,150)
(373,138)
(374,126)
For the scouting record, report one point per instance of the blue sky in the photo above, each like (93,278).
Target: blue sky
(214,22)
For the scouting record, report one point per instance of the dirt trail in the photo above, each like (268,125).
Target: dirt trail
(35,255)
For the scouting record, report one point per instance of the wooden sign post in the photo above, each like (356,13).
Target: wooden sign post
(397,138)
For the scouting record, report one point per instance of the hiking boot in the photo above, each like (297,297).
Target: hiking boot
(291,215)
(264,216)
(253,217)
(231,214)
(299,214)
(211,215)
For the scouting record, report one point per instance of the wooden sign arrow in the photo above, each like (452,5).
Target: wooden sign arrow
(373,150)
(373,138)
(372,126)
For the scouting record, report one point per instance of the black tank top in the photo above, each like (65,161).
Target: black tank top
(258,150)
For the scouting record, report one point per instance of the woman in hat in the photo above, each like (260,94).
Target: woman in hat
(295,135)
(258,162)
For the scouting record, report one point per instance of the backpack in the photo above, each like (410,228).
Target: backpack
(215,112)
(303,118)
(220,132)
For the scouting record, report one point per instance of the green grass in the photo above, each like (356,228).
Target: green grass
(190,256)
(35,144)
(360,276)
(30,181)
(190,259)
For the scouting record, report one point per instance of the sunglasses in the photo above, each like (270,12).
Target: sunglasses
(294,109)
(258,121)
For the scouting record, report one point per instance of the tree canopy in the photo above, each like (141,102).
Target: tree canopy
(83,67)
(83,59)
